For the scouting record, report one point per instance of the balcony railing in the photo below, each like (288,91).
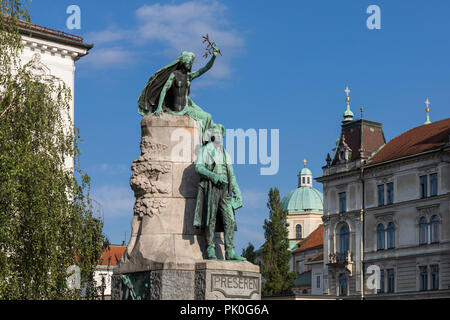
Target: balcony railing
(341,258)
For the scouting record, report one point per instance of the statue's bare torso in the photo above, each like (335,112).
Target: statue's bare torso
(180,90)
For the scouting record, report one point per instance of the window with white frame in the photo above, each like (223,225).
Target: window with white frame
(423,230)
(342,202)
(298,231)
(380,237)
(434,229)
(390,233)
(433,184)
(434,285)
(390,281)
(428,185)
(423,278)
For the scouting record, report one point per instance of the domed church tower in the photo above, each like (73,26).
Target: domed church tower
(304,206)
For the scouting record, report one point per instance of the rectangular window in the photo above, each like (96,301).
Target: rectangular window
(423,277)
(423,186)
(390,193)
(391,281)
(433,184)
(381,195)
(381,289)
(434,277)
(318,282)
(299,267)
(342,202)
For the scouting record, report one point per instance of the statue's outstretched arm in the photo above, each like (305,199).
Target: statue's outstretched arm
(208,66)
(162,96)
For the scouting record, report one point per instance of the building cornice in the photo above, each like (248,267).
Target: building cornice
(49,46)
(392,207)
(35,31)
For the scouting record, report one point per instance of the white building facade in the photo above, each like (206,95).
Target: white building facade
(54,53)
(386,206)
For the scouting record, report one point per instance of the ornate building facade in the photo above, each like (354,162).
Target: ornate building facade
(386,208)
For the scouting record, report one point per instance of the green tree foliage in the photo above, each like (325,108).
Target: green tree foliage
(276,255)
(47,222)
(249,253)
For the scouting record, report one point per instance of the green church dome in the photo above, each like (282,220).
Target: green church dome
(303,199)
(305,171)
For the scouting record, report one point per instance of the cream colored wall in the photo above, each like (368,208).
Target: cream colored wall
(308,221)
(60,61)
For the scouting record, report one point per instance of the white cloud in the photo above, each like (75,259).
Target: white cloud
(117,57)
(180,28)
(115,201)
(175,28)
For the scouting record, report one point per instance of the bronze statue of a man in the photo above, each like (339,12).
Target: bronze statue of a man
(218,195)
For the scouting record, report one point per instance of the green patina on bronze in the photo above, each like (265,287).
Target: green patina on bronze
(169,88)
(135,286)
(218,195)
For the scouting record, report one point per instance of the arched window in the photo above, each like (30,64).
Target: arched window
(380,237)
(298,231)
(344,236)
(434,228)
(391,235)
(423,228)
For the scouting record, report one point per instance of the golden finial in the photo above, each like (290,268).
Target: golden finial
(304,161)
(427,102)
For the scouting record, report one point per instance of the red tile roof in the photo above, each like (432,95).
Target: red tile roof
(420,139)
(112,255)
(315,239)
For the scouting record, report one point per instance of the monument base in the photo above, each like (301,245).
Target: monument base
(203,280)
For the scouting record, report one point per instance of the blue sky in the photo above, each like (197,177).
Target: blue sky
(285,66)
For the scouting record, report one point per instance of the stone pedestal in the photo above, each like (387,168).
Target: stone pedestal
(227,280)
(165,256)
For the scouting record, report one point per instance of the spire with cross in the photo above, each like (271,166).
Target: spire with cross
(427,102)
(348,114)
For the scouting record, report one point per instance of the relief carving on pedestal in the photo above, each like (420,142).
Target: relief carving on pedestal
(149,206)
(147,178)
(151,149)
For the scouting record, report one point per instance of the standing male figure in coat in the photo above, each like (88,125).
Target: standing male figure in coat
(218,195)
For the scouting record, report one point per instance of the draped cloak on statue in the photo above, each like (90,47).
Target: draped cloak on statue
(149,99)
